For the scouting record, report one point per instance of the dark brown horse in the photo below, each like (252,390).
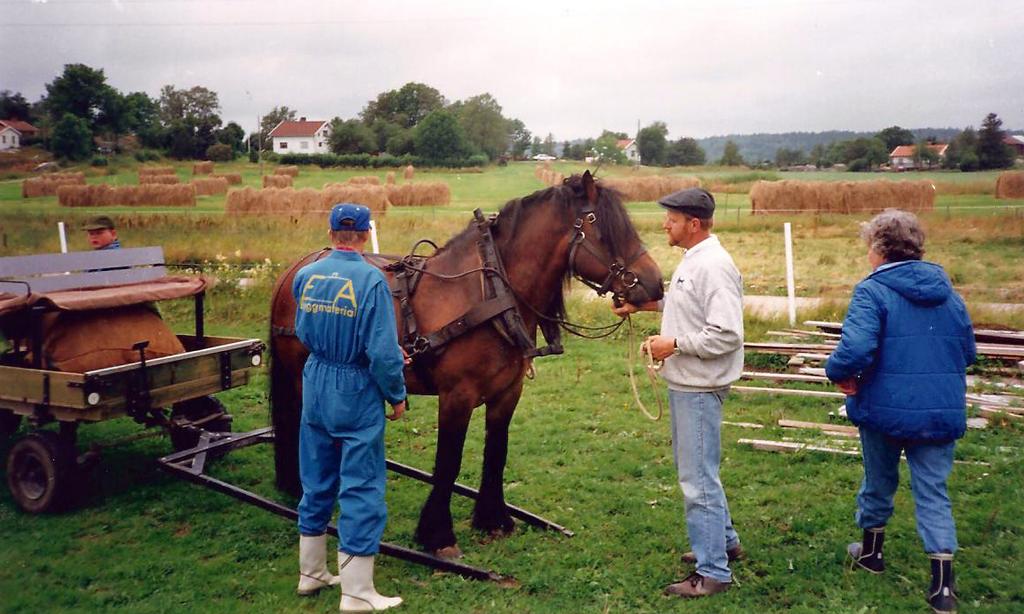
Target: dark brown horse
(577,228)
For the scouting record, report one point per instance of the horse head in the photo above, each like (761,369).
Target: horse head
(606,253)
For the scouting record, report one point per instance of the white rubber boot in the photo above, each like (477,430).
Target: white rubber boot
(357,591)
(313,574)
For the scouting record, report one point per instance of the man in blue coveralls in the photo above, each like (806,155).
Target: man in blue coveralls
(346,319)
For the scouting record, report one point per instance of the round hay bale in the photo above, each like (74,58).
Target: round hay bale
(843,197)
(277,181)
(232,178)
(202,168)
(210,186)
(47,185)
(1010,184)
(291,171)
(145,171)
(158,179)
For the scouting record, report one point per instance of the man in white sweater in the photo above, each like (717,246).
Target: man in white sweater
(701,342)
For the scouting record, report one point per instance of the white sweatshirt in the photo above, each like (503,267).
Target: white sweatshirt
(703,310)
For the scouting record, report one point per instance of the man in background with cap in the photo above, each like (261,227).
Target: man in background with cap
(701,342)
(346,319)
(102,234)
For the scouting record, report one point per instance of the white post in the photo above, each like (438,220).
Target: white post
(790,285)
(373,237)
(63,238)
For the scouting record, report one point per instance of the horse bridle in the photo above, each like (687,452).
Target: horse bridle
(617,267)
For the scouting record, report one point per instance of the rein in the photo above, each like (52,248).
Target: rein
(652,368)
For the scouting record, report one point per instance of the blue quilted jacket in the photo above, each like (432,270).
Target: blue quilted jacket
(907,339)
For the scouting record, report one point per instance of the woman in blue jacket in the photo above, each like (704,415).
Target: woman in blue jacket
(906,343)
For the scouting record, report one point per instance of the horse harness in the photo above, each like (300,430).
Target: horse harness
(498,307)
(617,267)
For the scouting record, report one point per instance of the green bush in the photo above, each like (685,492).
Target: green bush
(100,161)
(220,152)
(72,138)
(969,162)
(147,155)
(254,156)
(858,165)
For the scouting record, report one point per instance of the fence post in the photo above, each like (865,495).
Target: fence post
(373,237)
(790,282)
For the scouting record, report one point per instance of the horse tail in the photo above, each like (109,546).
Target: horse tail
(287,357)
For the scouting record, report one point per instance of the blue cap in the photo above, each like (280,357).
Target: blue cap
(350,216)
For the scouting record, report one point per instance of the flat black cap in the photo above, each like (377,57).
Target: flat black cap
(100,222)
(696,202)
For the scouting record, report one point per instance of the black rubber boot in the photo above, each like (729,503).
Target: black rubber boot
(868,554)
(941,594)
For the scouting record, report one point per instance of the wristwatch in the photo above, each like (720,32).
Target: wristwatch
(676,350)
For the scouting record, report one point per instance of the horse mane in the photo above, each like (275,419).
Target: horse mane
(613,221)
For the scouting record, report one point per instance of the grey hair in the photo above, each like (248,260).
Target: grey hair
(895,235)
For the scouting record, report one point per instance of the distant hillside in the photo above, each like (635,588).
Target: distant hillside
(755,147)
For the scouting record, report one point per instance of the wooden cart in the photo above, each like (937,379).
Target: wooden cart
(172,392)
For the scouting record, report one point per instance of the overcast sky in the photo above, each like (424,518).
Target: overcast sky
(569,68)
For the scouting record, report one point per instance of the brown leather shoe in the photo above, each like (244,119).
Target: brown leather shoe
(696,585)
(736,553)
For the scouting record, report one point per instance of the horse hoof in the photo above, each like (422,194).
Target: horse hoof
(496,534)
(448,552)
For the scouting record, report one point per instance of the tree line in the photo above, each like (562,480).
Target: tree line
(80,109)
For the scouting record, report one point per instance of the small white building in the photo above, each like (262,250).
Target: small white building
(629,147)
(301,137)
(13,131)
(902,158)
(9,138)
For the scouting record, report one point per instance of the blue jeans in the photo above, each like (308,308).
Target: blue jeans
(697,447)
(930,464)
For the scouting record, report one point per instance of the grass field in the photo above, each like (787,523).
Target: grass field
(580,452)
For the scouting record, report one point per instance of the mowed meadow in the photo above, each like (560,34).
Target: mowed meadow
(580,452)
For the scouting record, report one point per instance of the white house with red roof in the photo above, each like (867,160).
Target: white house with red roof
(13,131)
(301,137)
(902,158)
(629,147)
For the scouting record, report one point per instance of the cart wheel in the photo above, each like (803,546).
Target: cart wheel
(40,472)
(208,411)
(9,422)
